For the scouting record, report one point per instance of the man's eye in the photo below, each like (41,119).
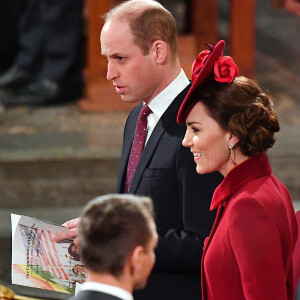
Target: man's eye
(119,58)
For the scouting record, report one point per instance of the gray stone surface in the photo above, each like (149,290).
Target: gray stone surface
(58,183)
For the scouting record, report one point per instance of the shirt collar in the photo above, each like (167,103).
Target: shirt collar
(161,102)
(106,288)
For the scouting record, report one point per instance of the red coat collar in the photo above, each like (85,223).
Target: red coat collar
(252,168)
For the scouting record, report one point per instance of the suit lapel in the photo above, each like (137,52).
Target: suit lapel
(164,122)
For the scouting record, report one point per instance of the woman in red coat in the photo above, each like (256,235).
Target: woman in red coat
(230,125)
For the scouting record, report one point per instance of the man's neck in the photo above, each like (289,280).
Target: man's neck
(170,73)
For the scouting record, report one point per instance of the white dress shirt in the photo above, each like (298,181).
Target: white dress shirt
(162,101)
(105,288)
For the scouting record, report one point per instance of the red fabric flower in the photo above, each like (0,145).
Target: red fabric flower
(225,69)
(198,63)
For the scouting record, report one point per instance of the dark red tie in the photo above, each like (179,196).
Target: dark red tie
(137,145)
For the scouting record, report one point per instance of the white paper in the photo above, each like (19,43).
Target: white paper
(38,261)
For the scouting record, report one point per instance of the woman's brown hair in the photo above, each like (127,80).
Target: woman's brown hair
(242,108)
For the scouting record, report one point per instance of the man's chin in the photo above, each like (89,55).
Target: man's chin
(127,99)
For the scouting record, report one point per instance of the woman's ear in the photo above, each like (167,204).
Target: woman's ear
(160,51)
(232,139)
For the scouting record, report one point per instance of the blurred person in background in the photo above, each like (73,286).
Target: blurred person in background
(48,65)
(10,12)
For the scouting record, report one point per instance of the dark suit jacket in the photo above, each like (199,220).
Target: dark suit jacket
(167,173)
(93,295)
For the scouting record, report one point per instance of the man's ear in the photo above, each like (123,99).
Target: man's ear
(160,50)
(136,259)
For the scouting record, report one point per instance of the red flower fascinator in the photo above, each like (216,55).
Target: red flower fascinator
(208,63)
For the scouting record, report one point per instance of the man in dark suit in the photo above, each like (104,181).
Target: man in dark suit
(117,237)
(139,41)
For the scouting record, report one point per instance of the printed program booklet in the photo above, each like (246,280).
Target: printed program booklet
(38,261)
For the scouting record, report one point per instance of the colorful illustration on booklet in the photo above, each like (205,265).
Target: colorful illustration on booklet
(40,262)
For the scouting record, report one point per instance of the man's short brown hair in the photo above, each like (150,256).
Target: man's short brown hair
(111,227)
(148,21)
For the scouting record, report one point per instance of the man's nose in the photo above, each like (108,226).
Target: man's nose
(111,71)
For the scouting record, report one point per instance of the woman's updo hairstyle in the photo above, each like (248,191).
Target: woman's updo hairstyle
(242,108)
